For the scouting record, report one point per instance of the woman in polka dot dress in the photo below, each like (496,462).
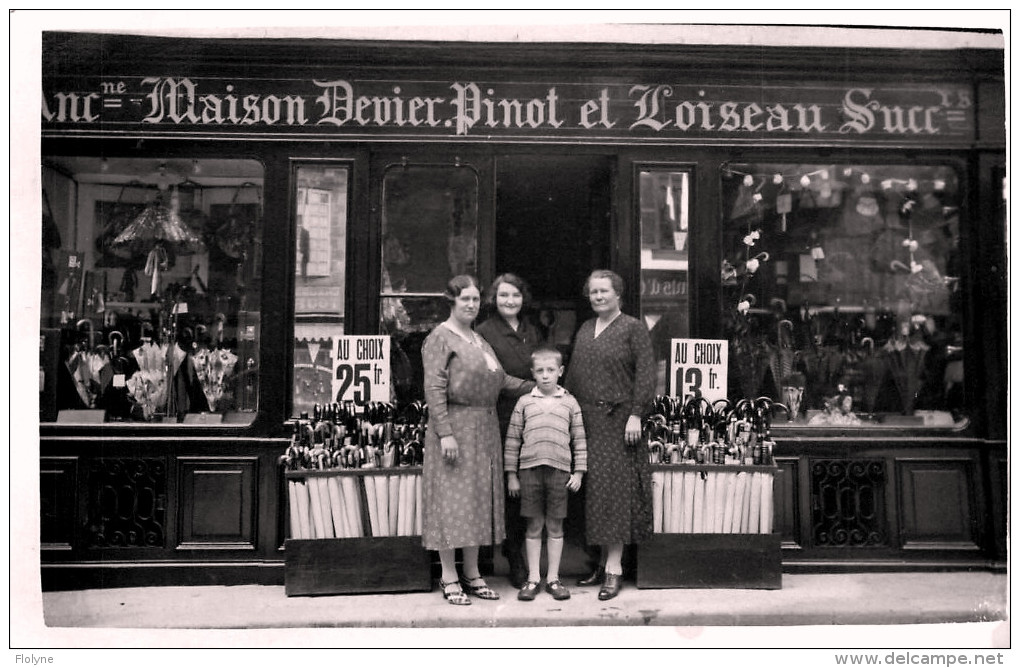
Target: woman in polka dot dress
(612,375)
(462,477)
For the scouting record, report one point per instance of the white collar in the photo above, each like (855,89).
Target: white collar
(535,392)
(473,336)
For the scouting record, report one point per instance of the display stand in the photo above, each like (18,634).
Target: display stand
(355,531)
(712,529)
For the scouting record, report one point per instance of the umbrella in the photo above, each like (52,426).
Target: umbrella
(823,368)
(213,367)
(148,385)
(157,232)
(782,357)
(873,368)
(751,361)
(905,359)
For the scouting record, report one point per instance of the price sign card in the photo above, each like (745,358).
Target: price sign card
(699,364)
(361,369)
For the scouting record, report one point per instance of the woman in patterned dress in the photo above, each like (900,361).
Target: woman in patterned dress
(612,375)
(462,477)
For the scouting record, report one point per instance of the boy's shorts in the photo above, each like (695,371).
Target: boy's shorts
(543,492)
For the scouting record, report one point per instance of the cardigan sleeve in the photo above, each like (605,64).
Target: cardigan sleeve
(514,438)
(578,440)
(436,354)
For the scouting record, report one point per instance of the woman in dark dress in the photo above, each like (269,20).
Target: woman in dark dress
(514,338)
(612,375)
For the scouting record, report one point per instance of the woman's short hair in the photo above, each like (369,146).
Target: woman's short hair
(614,279)
(510,279)
(457,284)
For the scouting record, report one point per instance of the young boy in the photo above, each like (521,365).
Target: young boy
(545,430)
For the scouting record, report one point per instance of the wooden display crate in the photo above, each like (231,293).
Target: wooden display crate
(715,529)
(356,566)
(703,561)
(359,552)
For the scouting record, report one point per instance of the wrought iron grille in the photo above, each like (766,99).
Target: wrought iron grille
(126,503)
(847,503)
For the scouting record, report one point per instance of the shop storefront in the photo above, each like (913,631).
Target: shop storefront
(237,231)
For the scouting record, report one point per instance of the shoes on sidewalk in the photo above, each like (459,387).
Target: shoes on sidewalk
(611,587)
(558,591)
(592,579)
(528,592)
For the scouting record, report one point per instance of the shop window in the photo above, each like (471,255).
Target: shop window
(321,208)
(664,200)
(841,292)
(151,283)
(429,234)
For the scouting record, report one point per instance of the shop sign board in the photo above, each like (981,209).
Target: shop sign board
(699,365)
(361,369)
(318,299)
(344,106)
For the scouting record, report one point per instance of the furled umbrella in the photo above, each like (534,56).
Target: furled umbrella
(905,359)
(782,357)
(873,367)
(751,362)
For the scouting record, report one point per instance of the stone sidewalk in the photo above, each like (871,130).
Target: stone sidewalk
(842,602)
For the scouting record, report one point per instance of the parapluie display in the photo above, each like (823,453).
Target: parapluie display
(148,385)
(782,357)
(159,233)
(873,368)
(213,368)
(751,362)
(823,366)
(793,394)
(905,358)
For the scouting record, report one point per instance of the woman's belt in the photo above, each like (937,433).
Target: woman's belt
(469,407)
(603,405)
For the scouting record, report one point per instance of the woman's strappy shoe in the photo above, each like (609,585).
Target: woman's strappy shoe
(453,593)
(478,587)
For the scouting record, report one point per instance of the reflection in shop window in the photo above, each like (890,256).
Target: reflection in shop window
(151,283)
(664,200)
(321,267)
(430,228)
(841,292)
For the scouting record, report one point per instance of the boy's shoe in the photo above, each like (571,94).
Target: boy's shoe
(558,591)
(528,592)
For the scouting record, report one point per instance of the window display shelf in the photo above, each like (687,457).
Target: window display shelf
(134,305)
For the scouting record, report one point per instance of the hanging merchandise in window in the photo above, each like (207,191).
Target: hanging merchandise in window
(153,304)
(841,291)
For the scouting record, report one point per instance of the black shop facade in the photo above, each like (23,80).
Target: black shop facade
(236,233)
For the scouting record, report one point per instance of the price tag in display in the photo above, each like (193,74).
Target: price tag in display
(699,365)
(361,369)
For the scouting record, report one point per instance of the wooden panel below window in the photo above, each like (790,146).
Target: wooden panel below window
(58,510)
(217,503)
(936,504)
(787,502)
